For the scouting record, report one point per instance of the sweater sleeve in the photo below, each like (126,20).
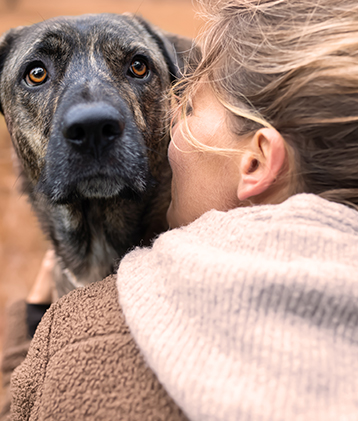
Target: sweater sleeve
(27,383)
(83,364)
(16,345)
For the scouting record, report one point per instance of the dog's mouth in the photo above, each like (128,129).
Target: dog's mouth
(64,182)
(99,186)
(94,188)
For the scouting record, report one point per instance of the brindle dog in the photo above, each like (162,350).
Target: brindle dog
(84,99)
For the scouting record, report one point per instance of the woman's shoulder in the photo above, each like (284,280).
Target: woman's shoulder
(302,206)
(307,213)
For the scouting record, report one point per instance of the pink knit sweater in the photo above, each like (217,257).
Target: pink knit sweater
(252,314)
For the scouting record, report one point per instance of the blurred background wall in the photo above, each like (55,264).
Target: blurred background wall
(22,245)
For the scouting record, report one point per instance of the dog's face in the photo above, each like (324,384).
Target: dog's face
(84,101)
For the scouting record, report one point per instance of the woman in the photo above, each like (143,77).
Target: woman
(247,308)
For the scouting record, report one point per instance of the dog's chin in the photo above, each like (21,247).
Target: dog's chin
(96,187)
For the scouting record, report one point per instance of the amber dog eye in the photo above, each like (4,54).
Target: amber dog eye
(36,76)
(139,68)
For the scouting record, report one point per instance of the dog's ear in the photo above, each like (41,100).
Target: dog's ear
(180,53)
(6,43)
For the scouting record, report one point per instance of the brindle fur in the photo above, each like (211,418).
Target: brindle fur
(92,209)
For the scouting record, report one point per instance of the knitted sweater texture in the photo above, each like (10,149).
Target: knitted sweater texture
(252,314)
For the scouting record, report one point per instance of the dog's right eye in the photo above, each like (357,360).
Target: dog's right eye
(36,76)
(138,68)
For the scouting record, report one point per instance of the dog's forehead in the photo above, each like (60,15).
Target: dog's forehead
(122,31)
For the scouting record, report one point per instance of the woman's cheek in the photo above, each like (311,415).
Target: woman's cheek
(175,154)
(170,153)
(172,148)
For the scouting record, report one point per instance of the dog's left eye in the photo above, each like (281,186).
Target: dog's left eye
(138,68)
(36,76)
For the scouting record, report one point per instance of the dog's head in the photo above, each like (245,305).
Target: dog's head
(84,99)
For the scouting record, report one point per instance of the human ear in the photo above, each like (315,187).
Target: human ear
(261,163)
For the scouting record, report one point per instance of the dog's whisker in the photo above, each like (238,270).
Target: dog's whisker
(141,4)
(161,154)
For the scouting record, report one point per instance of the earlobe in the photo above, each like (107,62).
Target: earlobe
(261,163)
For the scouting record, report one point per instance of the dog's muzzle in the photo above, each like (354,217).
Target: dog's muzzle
(95,151)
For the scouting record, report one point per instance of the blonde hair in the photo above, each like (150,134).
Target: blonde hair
(291,65)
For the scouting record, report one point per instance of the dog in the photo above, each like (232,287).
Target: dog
(85,102)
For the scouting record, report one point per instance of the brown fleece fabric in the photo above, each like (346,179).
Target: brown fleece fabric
(83,364)
(16,345)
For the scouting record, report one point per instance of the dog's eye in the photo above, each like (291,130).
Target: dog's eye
(36,76)
(138,68)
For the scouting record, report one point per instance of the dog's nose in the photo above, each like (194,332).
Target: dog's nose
(91,128)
